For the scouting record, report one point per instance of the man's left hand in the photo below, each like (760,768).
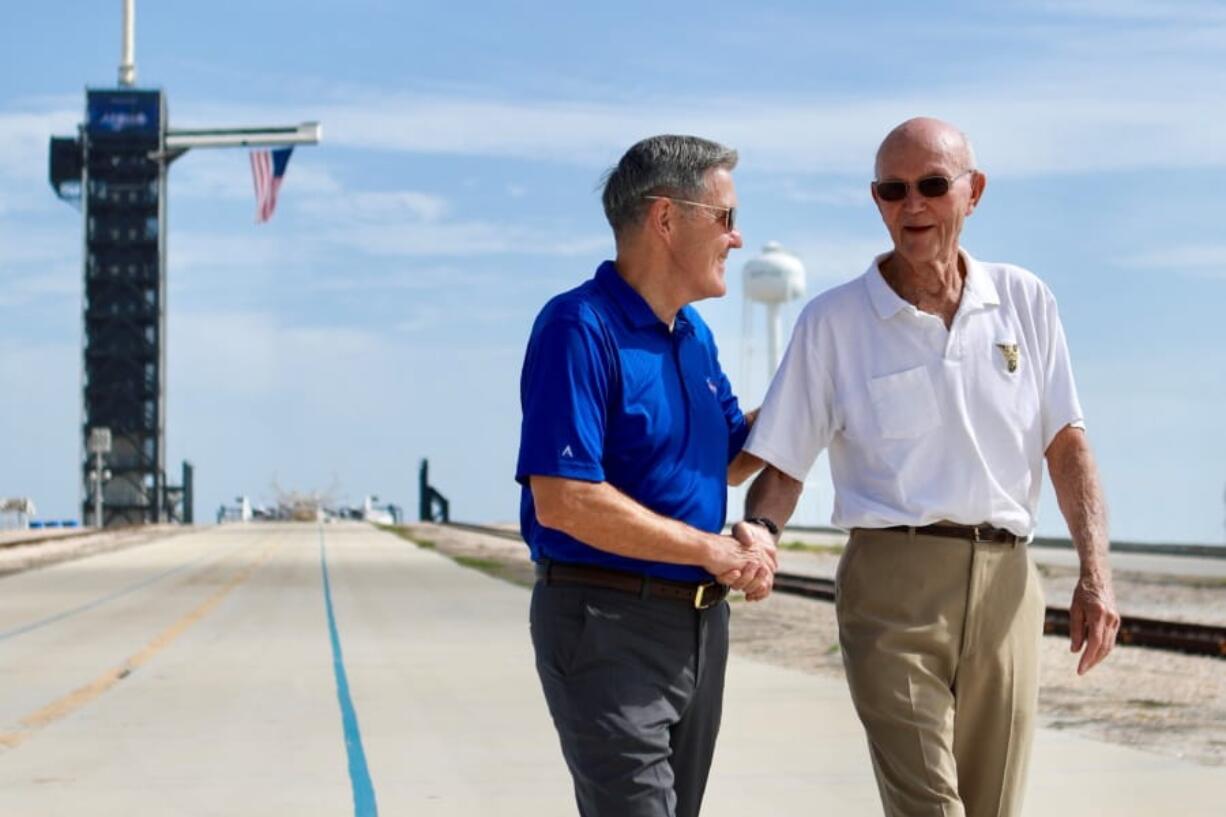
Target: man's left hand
(1093,621)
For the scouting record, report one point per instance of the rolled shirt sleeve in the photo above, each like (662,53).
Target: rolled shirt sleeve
(796,421)
(1060,406)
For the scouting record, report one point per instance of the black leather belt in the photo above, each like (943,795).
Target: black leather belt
(700,595)
(975,533)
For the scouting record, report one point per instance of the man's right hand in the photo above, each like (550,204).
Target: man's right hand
(746,561)
(756,537)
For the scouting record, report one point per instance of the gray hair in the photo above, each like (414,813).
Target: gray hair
(663,165)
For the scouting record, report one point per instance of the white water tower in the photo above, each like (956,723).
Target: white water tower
(772,279)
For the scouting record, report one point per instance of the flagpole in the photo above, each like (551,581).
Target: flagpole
(127,57)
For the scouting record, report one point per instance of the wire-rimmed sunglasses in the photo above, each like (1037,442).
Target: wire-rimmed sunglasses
(729,212)
(930,187)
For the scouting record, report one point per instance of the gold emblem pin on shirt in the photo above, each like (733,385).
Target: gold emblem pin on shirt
(1009,350)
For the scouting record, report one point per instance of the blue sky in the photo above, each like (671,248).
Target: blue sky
(380,316)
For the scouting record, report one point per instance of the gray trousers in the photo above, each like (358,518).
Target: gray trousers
(635,687)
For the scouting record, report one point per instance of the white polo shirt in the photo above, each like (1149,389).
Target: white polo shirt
(924,424)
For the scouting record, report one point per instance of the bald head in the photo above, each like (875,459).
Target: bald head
(931,136)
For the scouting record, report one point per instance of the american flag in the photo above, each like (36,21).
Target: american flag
(268,169)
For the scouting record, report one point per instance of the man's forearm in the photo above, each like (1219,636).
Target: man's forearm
(743,466)
(773,495)
(599,515)
(1079,494)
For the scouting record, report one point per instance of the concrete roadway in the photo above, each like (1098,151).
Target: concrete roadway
(289,669)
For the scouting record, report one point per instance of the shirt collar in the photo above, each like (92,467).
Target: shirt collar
(632,304)
(683,324)
(886,301)
(977,290)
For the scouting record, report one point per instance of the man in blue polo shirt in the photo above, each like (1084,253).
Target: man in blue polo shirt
(630,435)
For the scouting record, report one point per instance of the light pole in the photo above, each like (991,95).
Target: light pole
(99,444)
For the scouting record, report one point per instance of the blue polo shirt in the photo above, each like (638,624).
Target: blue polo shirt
(609,394)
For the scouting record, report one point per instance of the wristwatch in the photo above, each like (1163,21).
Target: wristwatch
(762,521)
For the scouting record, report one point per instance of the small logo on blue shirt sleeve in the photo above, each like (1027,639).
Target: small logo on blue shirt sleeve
(566,452)
(711,385)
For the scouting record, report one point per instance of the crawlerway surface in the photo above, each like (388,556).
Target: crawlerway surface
(1163,702)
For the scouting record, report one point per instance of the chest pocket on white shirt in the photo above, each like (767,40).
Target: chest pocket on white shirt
(905,403)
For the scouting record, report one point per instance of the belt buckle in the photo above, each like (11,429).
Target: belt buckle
(700,592)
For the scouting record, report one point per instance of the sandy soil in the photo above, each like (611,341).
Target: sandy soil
(1163,702)
(15,558)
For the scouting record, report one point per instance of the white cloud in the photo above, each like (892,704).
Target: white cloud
(24,140)
(211,174)
(378,206)
(226,174)
(1062,117)
(40,412)
(469,238)
(254,393)
(405,224)
(25,245)
(62,282)
(413,277)
(1184,12)
(831,260)
(424,318)
(838,194)
(1201,260)
(413,223)
(1094,98)
(24,143)
(260,353)
(245,253)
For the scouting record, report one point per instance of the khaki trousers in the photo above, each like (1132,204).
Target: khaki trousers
(940,640)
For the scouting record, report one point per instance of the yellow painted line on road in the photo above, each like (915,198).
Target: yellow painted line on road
(78,698)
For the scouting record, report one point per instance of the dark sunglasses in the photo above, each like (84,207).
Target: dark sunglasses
(930,187)
(729,218)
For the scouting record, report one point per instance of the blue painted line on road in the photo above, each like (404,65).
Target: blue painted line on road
(118,594)
(359,776)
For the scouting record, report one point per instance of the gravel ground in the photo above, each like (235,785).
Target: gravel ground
(1170,598)
(1201,600)
(1163,702)
(16,558)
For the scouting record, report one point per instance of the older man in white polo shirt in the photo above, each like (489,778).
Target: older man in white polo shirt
(939,383)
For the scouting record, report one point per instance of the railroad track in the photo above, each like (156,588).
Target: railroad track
(1177,636)
(1198,639)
